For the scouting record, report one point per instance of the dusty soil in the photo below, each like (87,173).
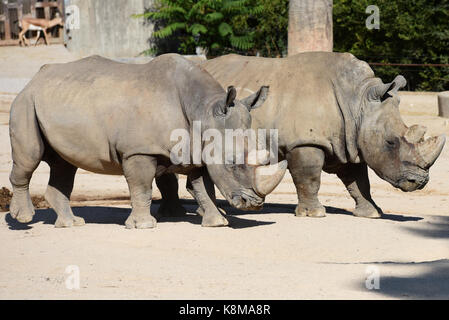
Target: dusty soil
(263,255)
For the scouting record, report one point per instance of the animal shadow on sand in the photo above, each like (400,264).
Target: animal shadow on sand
(115,215)
(282,208)
(118,216)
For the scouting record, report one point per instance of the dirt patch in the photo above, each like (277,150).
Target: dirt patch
(39,202)
(5,199)
(6,196)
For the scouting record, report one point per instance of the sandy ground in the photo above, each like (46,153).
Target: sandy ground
(265,255)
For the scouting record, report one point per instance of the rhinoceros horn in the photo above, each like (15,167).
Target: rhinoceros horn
(268,177)
(430,149)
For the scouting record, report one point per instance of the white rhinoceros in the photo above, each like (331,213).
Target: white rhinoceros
(115,118)
(333,114)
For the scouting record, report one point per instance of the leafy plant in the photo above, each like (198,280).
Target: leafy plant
(218,26)
(203,23)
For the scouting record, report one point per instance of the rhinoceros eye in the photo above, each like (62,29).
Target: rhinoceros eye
(391,143)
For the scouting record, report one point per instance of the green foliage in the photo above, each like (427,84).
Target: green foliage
(411,32)
(219,26)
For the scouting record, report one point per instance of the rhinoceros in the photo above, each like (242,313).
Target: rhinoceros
(113,118)
(333,114)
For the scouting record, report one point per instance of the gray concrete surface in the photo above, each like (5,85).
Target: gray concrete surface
(106,28)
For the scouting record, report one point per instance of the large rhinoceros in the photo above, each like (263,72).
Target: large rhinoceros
(333,114)
(113,118)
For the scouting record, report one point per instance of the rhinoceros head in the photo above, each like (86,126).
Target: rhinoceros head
(397,153)
(246,184)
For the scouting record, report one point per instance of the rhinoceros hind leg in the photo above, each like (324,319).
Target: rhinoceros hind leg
(139,171)
(201,187)
(171,205)
(21,207)
(355,178)
(59,189)
(27,151)
(25,161)
(305,165)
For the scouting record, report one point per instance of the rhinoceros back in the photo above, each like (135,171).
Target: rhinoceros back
(313,100)
(93,112)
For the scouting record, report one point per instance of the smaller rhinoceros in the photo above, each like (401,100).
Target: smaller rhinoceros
(333,114)
(114,118)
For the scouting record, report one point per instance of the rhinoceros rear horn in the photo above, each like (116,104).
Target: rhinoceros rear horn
(268,177)
(430,149)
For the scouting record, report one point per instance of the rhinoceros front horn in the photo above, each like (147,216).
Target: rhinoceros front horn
(268,177)
(430,149)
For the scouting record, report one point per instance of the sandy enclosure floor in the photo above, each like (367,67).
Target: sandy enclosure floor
(265,255)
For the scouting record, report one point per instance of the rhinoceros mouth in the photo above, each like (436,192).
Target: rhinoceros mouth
(412,183)
(247,199)
(412,180)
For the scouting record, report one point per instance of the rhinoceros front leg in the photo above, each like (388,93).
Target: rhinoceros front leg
(59,189)
(355,178)
(201,187)
(171,205)
(139,171)
(305,165)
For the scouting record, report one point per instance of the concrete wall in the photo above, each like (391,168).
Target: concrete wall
(107,28)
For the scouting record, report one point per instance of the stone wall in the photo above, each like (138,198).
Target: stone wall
(106,28)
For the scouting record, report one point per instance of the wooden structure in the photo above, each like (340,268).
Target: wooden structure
(12,11)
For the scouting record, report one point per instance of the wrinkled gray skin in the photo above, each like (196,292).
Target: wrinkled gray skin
(113,118)
(333,114)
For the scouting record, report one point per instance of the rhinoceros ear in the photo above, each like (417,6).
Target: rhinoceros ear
(398,83)
(383,91)
(257,99)
(231,95)
(223,107)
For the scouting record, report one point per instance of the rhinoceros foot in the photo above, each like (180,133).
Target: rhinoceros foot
(21,207)
(171,209)
(310,211)
(140,220)
(69,222)
(200,211)
(214,220)
(368,211)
